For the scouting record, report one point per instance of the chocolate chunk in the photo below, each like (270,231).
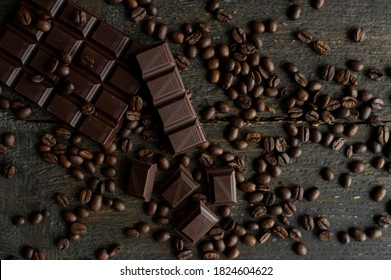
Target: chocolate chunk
(169,97)
(179,187)
(197,222)
(141,180)
(107,79)
(222,184)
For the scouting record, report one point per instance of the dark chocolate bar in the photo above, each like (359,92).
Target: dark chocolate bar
(222,186)
(102,73)
(168,93)
(198,221)
(141,179)
(179,187)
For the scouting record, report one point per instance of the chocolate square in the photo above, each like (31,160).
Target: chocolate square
(222,186)
(198,221)
(141,180)
(179,187)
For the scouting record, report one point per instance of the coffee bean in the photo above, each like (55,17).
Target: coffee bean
(62,243)
(161,235)
(223,15)
(132,233)
(355,65)
(38,255)
(378,193)
(118,205)
(357,234)
(101,254)
(375,74)
(279,232)
(43,25)
(271,26)
(301,79)
(138,14)
(305,36)
(294,11)
(96,202)
(239,34)
(357,166)
(359,34)
(338,143)
(342,76)
(85,196)
(78,228)
(307,222)
(374,232)
(82,212)
(326,235)
(69,216)
(80,18)
(383,222)
(322,47)
(345,180)
(8,170)
(344,237)
(312,193)
(18,220)
(317,4)
(327,174)
(249,240)
(24,16)
(232,253)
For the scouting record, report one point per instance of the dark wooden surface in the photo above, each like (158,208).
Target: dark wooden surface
(36,182)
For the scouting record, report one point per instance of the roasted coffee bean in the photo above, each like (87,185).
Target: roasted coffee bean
(323,223)
(304,35)
(161,31)
(8,170)
(62,200)
(307,222)
(63,70)
(24,16)
(279,232)
(182,62)
(82,212)
(327,174)
(338,143)
(43,25)
(379,162)
(69,216)
(161,235)
(342,76)
(231,240)
(138,14)
(85,196)
(383,222)
(271,26)
(312,193)
(78,228)
(150,27)
(62,243)
(378,193)
(132,233)
(80,18)
(119,205)
(38,255)
(294,152)
(185,255)
(374,232)
(239,34)
(345,180)
(359,34)
(101,254)
(375,74)
(223,15)
(317,4)
(205,160)
(344,237)
(18,220)
(357,234)
(326,235)
(274,210)
(294,11)
(322,47)
(359,148)
(300,249)
(357,166)
(355,65)
(301,79)
(383,134)
(232,253)
(249,240)
(95,203)
(351,130)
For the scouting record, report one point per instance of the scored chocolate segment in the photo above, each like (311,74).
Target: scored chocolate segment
(179,187)
(168,93)
(199,220)
(103,70)
(156,61)
(141,179)
(222,184)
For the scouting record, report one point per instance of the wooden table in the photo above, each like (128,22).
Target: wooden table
(36,182)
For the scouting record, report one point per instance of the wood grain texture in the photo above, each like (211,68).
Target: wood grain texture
(36,182)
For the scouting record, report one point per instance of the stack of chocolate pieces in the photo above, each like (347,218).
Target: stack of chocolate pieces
(180,122)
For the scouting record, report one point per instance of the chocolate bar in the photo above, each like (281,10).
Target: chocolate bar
(100,70)
(199,220)
(179,187)
(141,179)
(168,93)
(222,185)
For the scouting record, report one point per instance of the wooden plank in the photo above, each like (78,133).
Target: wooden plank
(37,182)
